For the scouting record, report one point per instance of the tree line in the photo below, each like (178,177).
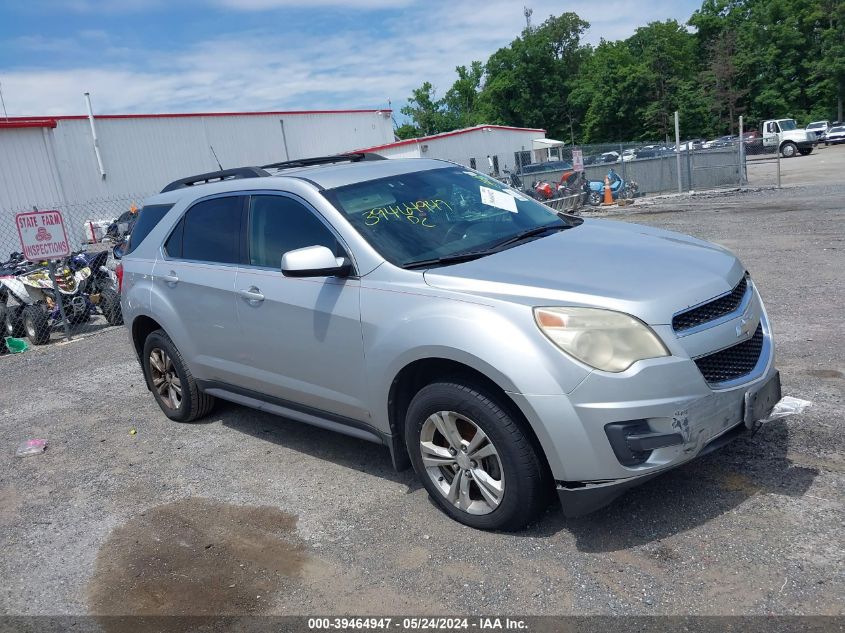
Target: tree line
(759,58)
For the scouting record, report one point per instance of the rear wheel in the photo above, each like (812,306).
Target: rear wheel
(36,324)
(473,458)
(110,305)
(171,382)
(594,198)
(788,149)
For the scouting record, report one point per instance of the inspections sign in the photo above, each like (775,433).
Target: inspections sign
(43,235)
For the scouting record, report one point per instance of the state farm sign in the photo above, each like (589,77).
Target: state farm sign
(43,235)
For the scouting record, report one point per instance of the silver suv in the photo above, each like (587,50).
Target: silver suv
(501,349)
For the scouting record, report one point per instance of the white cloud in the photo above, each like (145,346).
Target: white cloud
(340,67)
(264,5)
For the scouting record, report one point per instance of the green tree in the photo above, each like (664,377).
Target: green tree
(426,111)
(461,100)
(528,82)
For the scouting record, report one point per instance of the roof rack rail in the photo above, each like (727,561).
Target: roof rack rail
(353,157)
(223,174)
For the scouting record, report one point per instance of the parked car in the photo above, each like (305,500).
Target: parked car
(427,307)
(722,141)
(692,145)
(835,135)
(818,129)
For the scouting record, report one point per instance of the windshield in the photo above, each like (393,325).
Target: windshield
(813,126)
(837,129)
(788,124)
(439,213)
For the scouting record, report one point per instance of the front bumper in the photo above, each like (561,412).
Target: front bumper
(674,409)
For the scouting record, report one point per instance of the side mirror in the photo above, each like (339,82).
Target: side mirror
(314,261)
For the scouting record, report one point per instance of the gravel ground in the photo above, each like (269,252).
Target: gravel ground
(249,513)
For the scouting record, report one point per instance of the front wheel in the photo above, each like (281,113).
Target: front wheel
(788,149)
(171,382)
(805,152)
(594,198)
(36,324)
(473,458)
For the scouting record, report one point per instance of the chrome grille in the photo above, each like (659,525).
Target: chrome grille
(733,362)
(711,310)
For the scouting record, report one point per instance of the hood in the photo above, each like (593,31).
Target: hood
(643,271)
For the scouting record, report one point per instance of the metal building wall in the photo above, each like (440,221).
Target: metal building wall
(142,154)
(35,185)
(475,143)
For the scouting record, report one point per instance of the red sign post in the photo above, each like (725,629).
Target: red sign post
(42,235)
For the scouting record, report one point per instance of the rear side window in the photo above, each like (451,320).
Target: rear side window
(173,245)
(148,217)
(211,230)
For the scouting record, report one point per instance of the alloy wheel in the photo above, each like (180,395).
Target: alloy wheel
(165,379)
(462,462)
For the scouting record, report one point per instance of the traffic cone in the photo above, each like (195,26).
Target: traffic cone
(608,197)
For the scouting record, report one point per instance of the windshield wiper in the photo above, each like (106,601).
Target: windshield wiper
(495,248)
(446,259)
(519,237)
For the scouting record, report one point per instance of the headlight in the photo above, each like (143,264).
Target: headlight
(607,340)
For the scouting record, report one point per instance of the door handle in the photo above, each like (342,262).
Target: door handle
(170,278)
(252,295)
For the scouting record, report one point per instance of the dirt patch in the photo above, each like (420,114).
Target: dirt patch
(196,557)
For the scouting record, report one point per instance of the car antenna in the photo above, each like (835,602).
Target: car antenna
(211,147)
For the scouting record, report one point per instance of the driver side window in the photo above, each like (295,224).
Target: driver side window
(278,224)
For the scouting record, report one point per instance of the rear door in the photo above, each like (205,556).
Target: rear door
(300,337)
(195,285)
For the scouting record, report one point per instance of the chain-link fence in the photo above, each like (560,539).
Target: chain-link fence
(42,301)
(632,169)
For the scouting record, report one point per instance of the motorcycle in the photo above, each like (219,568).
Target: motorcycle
(575,183)
(84,284)
(619,188)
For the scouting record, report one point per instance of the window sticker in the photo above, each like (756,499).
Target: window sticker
(498,199)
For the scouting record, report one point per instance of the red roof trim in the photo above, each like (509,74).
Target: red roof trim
(15,122)
(468,130)
(179,115)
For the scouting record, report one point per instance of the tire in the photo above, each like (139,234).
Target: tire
(110,305)
(514,474)
(788,149)
(805,152)
(176,378)
(36,324)
(11,322)
(594,198)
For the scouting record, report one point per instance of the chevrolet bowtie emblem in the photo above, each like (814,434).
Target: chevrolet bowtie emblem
(743,327)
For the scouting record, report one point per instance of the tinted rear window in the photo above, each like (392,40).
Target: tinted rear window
(148,217)
(212,230)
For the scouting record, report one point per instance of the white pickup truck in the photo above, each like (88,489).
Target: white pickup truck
(785,136)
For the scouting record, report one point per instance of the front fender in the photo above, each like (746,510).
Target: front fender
(498,339)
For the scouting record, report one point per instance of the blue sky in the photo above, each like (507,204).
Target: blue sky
(219,55)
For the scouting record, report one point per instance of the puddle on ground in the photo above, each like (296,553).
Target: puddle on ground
(825,373)
(195,557)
